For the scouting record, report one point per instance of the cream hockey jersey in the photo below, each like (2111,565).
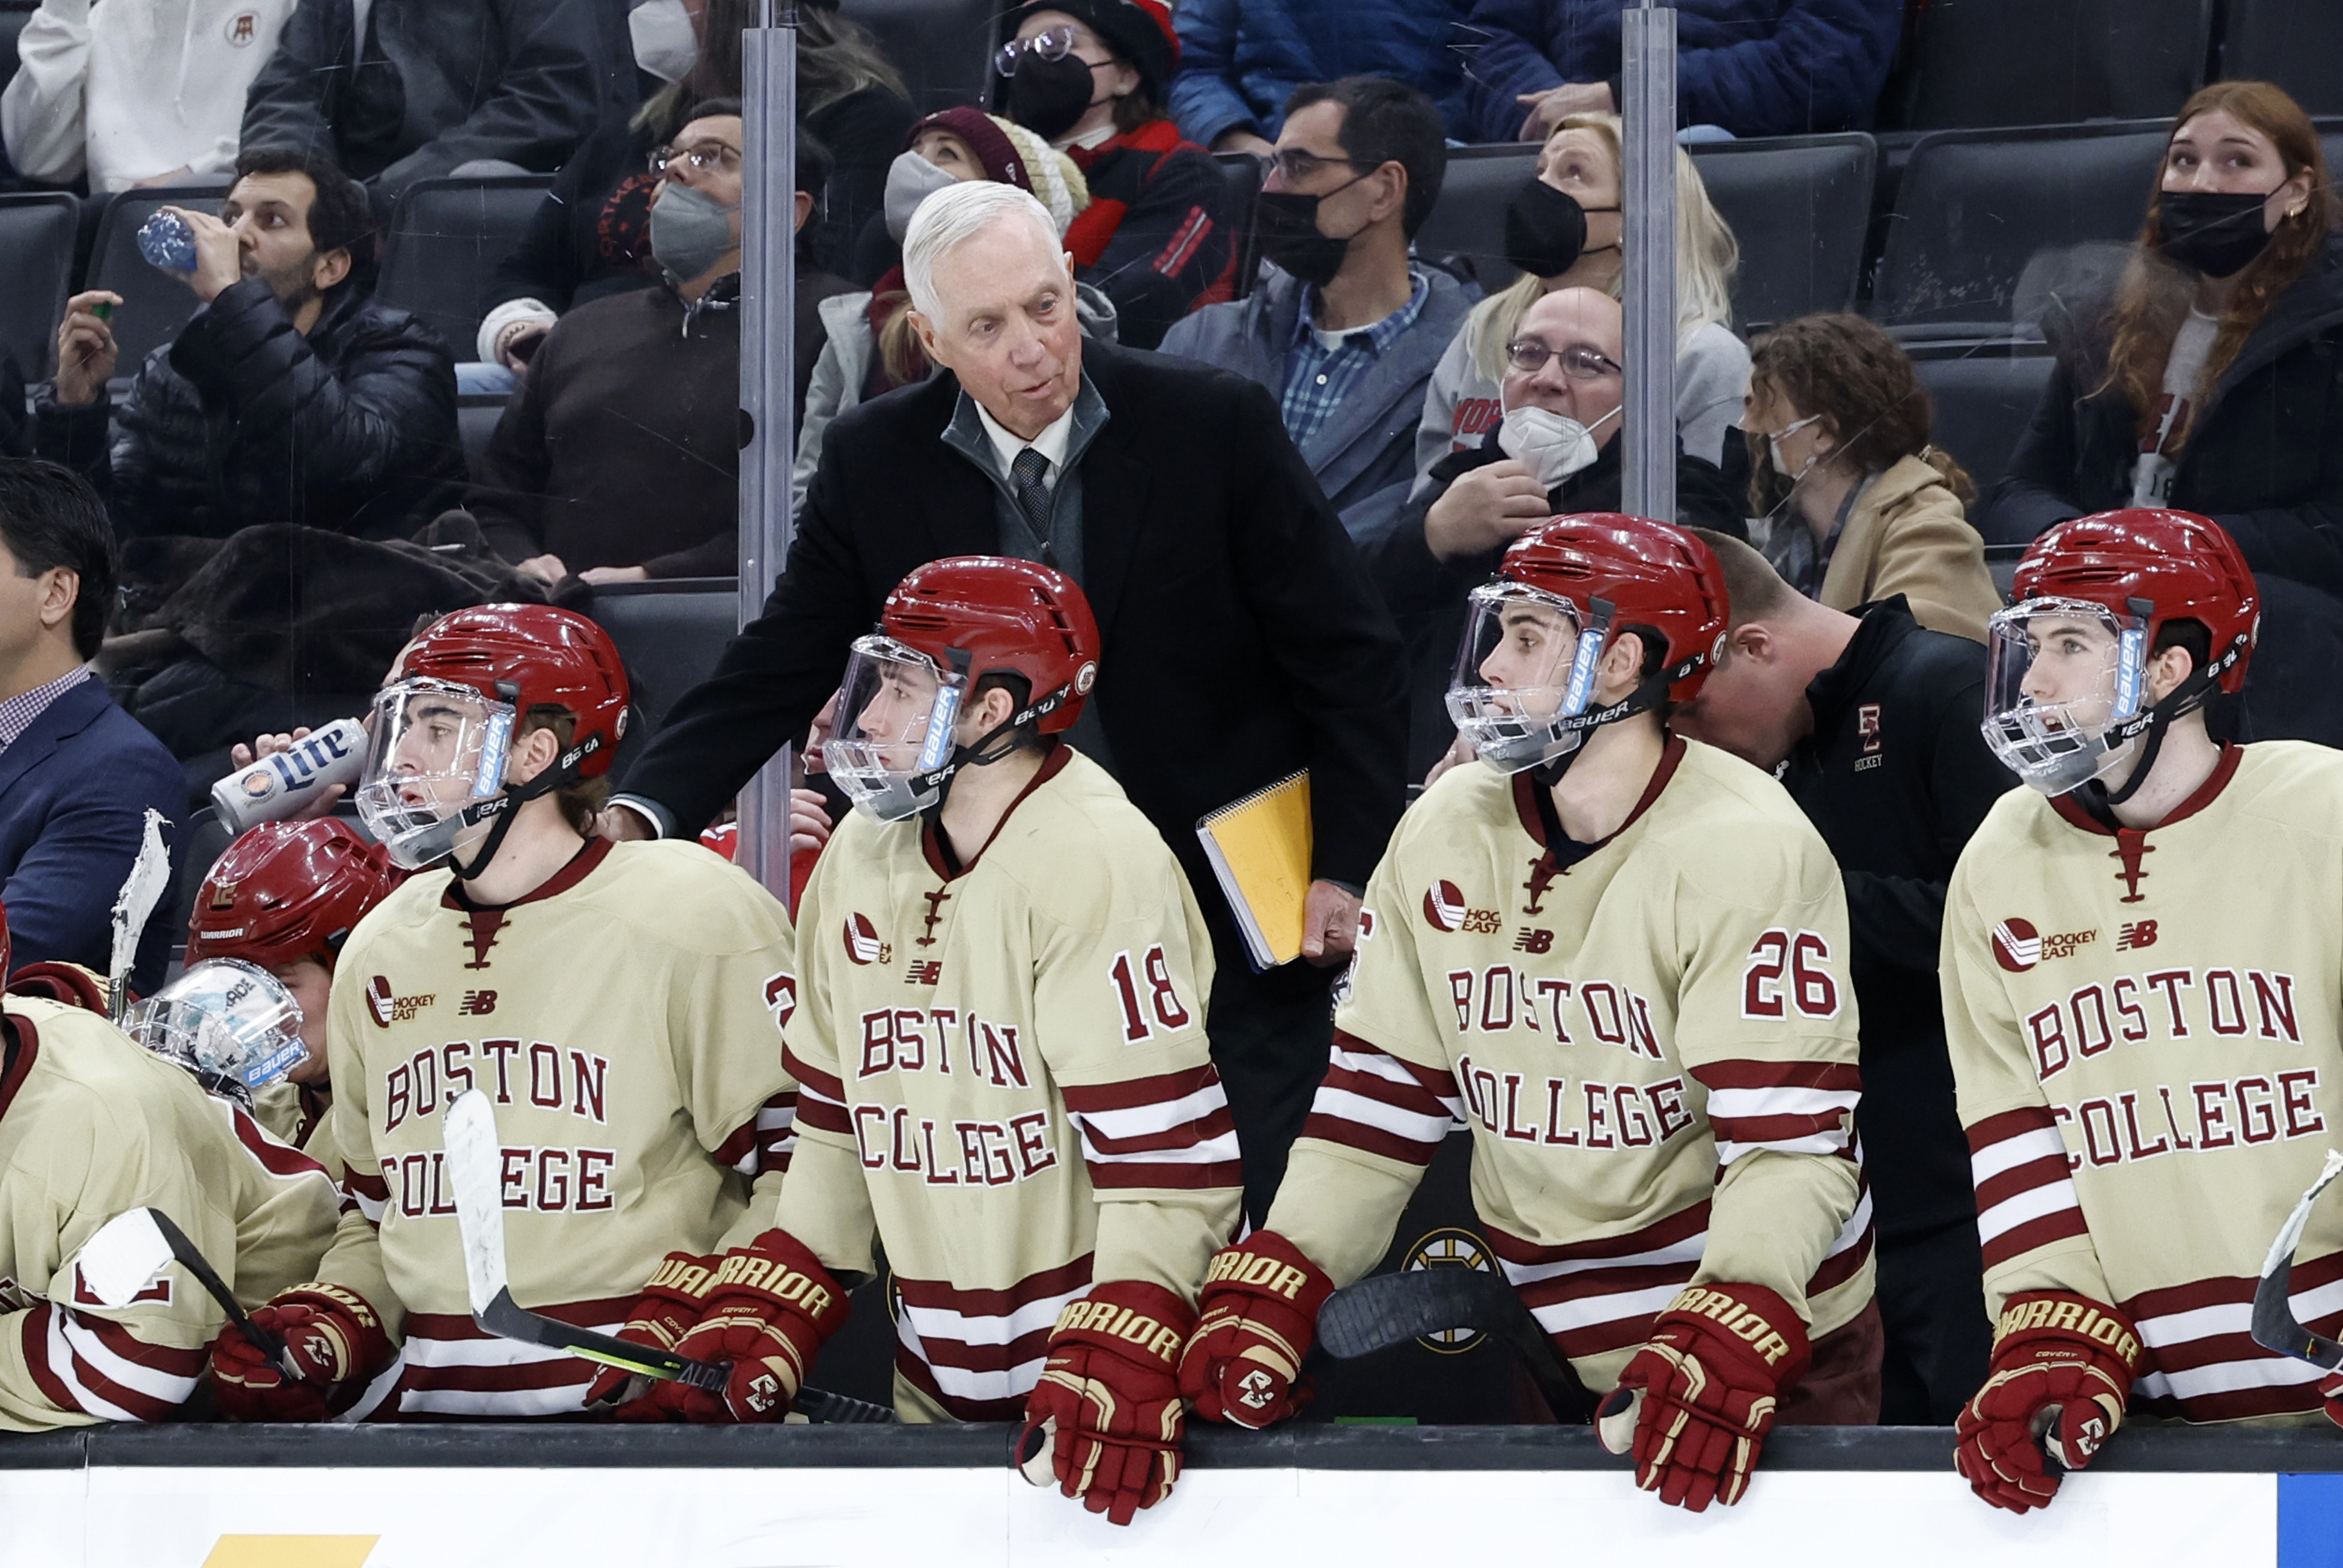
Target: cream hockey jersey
(92,1125)
(625,1020)
(294,1113)
(1003,1076)
(1653,1044)
(2144,1032)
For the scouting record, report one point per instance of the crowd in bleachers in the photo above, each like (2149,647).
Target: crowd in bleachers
(459,323)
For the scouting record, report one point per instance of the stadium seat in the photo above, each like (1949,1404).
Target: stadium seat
(1983,402)
(2296,43)
(37,246)
(1982,62)
(1798,206)
(1466,227)
(1242,174)
(942,47)
(1976,206)
(476,421)
(669,634)
(447,236)
(154,305)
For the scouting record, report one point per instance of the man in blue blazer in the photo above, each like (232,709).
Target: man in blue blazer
(76,773)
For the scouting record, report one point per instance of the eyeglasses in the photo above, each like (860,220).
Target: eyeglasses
(1295,166)
(1050,43)
(1580,363)
(703,157)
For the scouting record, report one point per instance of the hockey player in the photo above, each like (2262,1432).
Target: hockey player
(92,1125)
(619,1004)
(284,897)
(1003,1073)
(2142,999)
(1619,956)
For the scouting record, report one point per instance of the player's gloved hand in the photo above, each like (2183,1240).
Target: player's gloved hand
(2062,1372)
(669,1306)
(1108,1402)
(332,1335)
(771,1306)
(1256,1319)
(1711,1375)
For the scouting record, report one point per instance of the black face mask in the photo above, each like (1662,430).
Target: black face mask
(2216,232)
(1287,224)
(1047,97)
(1545,230)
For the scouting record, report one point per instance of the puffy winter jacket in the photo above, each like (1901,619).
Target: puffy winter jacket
(244,420)
(1158,239)
(1240,60)
(1758,68)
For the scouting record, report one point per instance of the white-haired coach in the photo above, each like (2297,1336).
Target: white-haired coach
(1243,641)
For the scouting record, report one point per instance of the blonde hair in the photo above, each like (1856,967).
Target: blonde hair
(1706,258)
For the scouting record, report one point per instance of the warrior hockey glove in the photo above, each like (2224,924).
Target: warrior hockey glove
(668,1308)
(1108,1398)
(2062,1372)
(332,1335)
(1259,1314)
(1715,1368)
(771,1306)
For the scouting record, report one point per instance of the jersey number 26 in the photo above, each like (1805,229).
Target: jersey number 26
(1810,985)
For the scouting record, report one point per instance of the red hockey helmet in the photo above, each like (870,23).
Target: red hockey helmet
(532,656)
(2181,565)
(286,891)
(1565,592)
(946,627)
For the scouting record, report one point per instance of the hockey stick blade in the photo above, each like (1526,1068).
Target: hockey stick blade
(2275,1326)
(1386,1310)
(129,1252)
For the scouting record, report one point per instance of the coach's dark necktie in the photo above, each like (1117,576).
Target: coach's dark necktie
(1033,496)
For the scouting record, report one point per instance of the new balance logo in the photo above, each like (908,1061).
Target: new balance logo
(478,1003)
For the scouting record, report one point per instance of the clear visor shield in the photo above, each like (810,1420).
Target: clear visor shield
(1527,663)
(228,1021)
(436,750)
(2062,678)
(893,736)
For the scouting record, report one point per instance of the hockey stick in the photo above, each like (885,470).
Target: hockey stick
(141,890)
(469,1136)
(1386,1310)
(129,1252)
(2275,1327)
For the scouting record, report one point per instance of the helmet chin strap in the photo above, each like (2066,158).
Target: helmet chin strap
(506,806)
(2195,691)
(1649,693)
(992,746)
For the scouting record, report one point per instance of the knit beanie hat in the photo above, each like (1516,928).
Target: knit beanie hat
(1140,30)
(1016,157)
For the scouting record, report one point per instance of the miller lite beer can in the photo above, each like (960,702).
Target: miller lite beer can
(278,785)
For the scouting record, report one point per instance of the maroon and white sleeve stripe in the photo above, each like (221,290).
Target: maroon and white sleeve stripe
(1172,1130)
(368,1190)
(2024,1197)
(2202,1362)
(821,1099)
(1784,1107)
(1374,1101)
(98,1367)
(766,1142)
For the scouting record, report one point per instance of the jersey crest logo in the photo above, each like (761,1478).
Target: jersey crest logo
(863,943)
(1444,906)
(2017,945)
(378,1003)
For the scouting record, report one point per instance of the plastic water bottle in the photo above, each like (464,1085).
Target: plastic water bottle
(278,785)
(166,241)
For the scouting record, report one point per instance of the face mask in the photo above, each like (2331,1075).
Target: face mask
(2216,232)
(665,44)
(1774,448)
(1287,224)
(690,231)
(910,180)
(1047,97)
(1552,446)
(1545,230)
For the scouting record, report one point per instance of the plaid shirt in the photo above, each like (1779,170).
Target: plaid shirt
(16,714)
(1318,378)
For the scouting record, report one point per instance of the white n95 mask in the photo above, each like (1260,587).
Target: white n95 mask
(1552,446)
(665,44)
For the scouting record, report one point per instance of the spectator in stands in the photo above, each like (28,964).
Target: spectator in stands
(289,398)
(140,94)
(77,775)
(1554,450)
(1564,229)
(1872,726)
(434,86)
(2213,382)
(1240,60)
(618,458)
(1864,507)
(1767,68)
(1346,329)
(1090,76)
(1243,641)
(868,343)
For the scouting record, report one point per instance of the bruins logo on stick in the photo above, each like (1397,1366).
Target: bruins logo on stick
(1450,1247)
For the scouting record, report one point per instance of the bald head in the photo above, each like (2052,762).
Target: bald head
(1582,332)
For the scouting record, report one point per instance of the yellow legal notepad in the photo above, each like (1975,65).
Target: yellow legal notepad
(1260,848)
